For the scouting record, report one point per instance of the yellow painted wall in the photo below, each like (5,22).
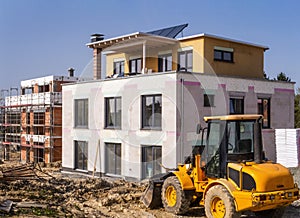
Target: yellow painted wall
(247,60)
(197,44)
(110,63)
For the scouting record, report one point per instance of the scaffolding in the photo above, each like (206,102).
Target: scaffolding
(10,125)
(3,93)
(40,141)
(30,121)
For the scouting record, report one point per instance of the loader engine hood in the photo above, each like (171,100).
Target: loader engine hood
(263,177)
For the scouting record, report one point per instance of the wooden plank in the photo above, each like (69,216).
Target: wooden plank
(30,205)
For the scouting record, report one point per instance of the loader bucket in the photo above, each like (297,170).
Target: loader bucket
(152,195)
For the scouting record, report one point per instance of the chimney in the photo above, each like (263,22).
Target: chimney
(71,72)
(97,52)
(97,37)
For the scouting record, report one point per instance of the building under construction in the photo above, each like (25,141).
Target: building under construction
(31,120)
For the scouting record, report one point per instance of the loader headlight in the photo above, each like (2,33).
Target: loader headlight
(272,197)
(290,194)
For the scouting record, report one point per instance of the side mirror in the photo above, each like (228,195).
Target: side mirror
(199,128)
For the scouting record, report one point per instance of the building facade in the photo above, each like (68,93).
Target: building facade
(32,120)
(139,116)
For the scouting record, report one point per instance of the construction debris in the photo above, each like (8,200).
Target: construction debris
(52,194)
(6,206)
(22,172)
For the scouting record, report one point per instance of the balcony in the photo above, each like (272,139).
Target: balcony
(35,138)
(45,98)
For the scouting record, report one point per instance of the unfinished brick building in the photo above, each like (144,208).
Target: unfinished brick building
(38,115)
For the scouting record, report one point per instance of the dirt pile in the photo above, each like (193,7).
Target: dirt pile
(73,197)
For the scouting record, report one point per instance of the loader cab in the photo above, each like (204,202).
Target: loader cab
(232,138)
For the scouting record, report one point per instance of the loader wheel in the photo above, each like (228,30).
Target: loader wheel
(219,203)
(275,213)
(174,199)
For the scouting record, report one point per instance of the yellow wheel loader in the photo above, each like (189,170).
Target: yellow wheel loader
(227,174)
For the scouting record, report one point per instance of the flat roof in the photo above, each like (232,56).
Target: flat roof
(222,38)
(103,44)
(46,80)
(152,37)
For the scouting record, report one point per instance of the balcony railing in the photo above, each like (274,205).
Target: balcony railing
(45,98)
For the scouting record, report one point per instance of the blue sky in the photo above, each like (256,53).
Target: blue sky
(40,38)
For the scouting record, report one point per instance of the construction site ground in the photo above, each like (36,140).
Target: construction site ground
(57,194)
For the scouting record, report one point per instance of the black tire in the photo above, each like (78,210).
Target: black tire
(174,199)
(274,213)
(219,203)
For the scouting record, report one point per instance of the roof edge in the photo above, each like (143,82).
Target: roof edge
(223,38)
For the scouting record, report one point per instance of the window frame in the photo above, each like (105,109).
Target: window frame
(223,53)
(119,68)
(38,130)
(260,110)
(208,100)
(117,159)
(151,126)
(165,65)
(243,105)
(114,126)
(84,158)
(153,161)
(136,65)
(84,123)
(186,67)
(38,118)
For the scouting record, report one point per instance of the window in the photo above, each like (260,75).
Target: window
(212,149)
(113,112)
(263,105)
(185,60)
(81,113)
(26,91)
(151,161)
(38,130)
(240,137)
(113,158)
(135,65)
(39,118)
(151,111)
(236,105)
(13,118)
(208,100)
(39,155)
(81,155)
(44,88)
(220,55)
(119,68)
(165,63)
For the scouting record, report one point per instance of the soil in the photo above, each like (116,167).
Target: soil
(69,195)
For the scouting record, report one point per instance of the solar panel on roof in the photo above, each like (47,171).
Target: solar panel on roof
(170,32)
